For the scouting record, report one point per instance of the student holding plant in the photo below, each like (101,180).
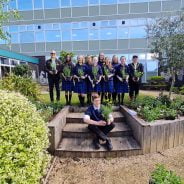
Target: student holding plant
(95,76)
(80,75)
(122,74)
(100,122)
(108,74)
(67,78)
(136,72)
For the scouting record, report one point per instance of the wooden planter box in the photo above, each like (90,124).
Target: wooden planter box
(157,136)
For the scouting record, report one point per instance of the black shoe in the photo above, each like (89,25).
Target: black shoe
(109,145)
(96,144)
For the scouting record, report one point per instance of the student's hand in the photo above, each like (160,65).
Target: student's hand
(83,77)
(51,72)
(101,123)
(109,122)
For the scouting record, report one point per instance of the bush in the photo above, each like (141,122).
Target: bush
(20,84)
(162,176)
(157,78)
(23,70)
(23,140)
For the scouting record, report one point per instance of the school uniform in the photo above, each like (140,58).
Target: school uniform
(88,83)
(80,85)
(53,65)
(96,87)
(67,83)
(114,95)
(121,87)
(95,114)
(134,85)
(108,84)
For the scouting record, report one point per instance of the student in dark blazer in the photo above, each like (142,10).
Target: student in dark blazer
(134,82)
(53,69)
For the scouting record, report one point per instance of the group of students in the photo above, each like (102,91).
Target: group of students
(111,79)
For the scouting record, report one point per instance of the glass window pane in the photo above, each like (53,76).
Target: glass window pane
(108,33)
(137,32)
(48,4)
(48,26)
(25,5)
(123,1)
(22,28)
(152,66)
(94,34)
(27,37)
(66,26)
(53,36)
(80,34)
(108,1)
(13,29)
(66,36)
(56,26)
(65,3)
(79,3)
(123,33)
(30,27)
(93,2)
(38,4)
(138,1)
(12,4)
(14,38)
(39,36)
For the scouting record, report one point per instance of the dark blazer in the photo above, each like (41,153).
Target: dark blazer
(49,68)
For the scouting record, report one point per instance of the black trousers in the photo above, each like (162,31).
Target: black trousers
(133,89)
(54,81)
(101,132)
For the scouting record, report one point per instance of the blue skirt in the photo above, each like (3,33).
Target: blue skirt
(97,88)
(67,85)
(108,86)
(80,87)
(121,87)
(88,84)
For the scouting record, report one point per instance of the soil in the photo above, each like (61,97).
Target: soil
(131,170)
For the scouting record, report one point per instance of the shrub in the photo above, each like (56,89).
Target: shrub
(157,78)
(162,176)
(23,140)
(20,84)
(23,70)
(170,114)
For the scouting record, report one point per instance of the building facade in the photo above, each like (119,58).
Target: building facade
(88,27)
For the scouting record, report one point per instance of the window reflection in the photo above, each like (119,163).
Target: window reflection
(27,37)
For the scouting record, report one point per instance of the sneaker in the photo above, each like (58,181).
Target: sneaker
(96,144)
(109,145)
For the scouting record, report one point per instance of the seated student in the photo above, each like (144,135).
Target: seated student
(93,117)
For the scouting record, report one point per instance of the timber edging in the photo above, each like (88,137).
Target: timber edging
(156,136)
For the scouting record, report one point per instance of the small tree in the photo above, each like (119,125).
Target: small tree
(22,70)
(63,55)
(4,17)
(166,37)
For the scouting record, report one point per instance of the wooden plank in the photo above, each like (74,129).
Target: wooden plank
(177,133)
(181,134)
(166,136)
(160,138)
(147,139)
(171,135)
(153,142)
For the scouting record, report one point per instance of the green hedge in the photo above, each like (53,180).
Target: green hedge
(23,140)
(157,78)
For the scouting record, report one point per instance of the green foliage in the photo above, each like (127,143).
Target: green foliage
(157,78)
(23,140)
(106,110)
(164,99)
(63,55)
(22,70)
(5,17)
(67,71)
(162,176)
(20,84)
(80,72)
(170,114)
(138,74)
(95,72)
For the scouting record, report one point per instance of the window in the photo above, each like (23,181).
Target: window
(14,38)
(13,29)
(53,36)
(22,28)
(30,27)
(94,34)
(138,1)
(38,4)
(93,2)
(79,3)
(27,37)
(66,26)
(25,5)
(152,66)
(12,4)
(80,34)
(108,1)
(66,36)
(108,33)
(48,4)
(39,36)
(56,26)
(123,1)
(123,33)
(137,32)
(65,3)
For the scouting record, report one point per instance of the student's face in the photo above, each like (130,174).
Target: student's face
(68,58)
(107,61)
(80,59)
(115,59)
(95,61)
(123,60)
(97,102)
(135,60)
(101,56)
(53,55)
(89,60)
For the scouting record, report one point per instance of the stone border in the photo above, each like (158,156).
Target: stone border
(55,129)
(157,136)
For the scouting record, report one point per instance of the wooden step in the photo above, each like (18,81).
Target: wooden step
(80,147)
(78,117)
(77,109)
(81,130)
